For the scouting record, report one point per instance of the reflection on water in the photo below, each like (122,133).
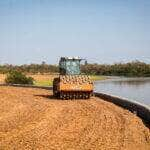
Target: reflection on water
(132,82)
(133,88)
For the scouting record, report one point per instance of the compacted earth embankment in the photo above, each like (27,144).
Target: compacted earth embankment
(33,119)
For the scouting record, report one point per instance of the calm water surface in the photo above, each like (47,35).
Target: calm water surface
(137,89)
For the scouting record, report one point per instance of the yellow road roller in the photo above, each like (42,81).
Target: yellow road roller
(71,84)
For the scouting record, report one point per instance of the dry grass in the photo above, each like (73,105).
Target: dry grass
(33,119)
(43,80)
(39,77)
(2,78)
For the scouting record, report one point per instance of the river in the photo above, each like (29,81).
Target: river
(137,89)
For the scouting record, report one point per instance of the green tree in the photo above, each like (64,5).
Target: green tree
(16,77)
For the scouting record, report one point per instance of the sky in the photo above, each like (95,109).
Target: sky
(102,31)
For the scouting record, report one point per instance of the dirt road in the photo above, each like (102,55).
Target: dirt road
(33,119)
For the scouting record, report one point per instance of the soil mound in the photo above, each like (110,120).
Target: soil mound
(33,119)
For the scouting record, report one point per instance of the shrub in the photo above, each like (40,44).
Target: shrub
(16,77)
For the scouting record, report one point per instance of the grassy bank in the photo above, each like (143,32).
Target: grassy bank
(97,77)
(43,83)
(49,81)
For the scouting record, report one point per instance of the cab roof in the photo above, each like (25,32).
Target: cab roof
(70,58)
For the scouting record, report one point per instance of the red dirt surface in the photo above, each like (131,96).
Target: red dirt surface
(33,119)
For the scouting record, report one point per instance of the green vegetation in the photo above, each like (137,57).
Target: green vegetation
(131,69)
(16,77)
(43,83)
(97,77)
(50,82)
(16,74)
(31,69)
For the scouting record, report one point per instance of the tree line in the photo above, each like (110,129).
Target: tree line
(130,69)
(31,68)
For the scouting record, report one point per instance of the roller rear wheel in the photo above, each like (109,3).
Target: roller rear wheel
(74,95)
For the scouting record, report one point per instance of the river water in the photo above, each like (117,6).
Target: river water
(137,89)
